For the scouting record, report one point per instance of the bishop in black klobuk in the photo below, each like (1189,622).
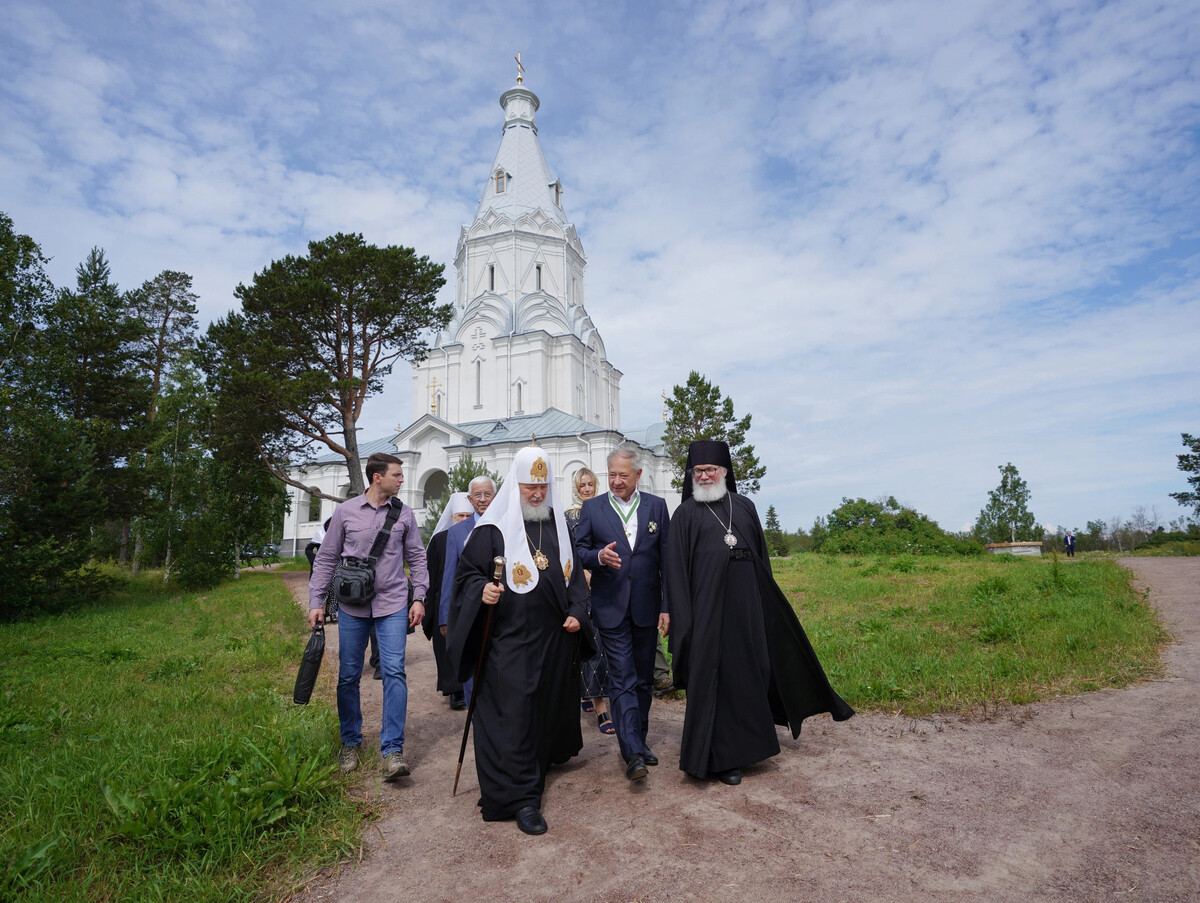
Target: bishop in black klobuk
(738,647)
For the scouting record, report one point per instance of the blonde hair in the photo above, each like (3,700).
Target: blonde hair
(580,474)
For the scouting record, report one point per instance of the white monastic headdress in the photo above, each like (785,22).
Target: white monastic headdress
(531,465)
(459,503)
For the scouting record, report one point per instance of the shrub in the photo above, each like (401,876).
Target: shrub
(860,527)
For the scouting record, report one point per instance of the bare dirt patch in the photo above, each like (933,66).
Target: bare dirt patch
(1088,798)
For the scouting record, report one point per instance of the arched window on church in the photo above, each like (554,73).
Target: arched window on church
(537,278)
(478,383)
(520,398)
(500,181)
(314,504)
(491,277)
(558,193)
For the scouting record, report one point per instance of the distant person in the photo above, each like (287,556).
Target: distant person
(622,538)
(526,700)
(353,529)
(593,677)
(1069,542)
(458,508)
(310,550)
(739,650)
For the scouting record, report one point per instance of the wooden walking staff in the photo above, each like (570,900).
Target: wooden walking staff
(497,573)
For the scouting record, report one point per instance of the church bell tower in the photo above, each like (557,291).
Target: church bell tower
(520,340)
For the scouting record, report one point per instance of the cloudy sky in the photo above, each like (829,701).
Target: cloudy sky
(915,240)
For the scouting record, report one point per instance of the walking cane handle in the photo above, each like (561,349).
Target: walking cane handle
(498,572)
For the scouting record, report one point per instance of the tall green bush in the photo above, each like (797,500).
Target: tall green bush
(859,527)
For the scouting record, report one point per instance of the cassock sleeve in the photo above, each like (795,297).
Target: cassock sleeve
(665,543)
(679,593)
(577,607)
(464,627)
(435,557)
(799,686)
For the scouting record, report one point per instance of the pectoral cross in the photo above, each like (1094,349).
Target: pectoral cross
(520,68)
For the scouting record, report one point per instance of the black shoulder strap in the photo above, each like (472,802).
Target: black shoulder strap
(385,531)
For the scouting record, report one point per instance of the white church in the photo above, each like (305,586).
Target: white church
(520,358)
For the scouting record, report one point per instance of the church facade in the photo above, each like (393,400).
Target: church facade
(520,358)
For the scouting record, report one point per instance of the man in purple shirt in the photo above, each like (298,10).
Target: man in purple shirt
(352,531)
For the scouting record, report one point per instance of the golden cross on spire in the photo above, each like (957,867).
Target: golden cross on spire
(520,68)
(433,399)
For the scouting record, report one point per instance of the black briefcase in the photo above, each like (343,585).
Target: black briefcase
(310,666)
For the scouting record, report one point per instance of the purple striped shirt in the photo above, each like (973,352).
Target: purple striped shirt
(352,532)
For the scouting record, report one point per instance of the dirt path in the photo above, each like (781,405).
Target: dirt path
(1090,798)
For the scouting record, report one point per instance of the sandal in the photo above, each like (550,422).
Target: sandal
(587,706)
(605,723)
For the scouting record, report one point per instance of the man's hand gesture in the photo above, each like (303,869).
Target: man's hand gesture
(609,558)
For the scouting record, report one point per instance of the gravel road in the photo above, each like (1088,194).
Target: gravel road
(1088,798)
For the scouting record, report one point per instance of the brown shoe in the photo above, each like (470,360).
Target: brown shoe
(348,759)
(395,767)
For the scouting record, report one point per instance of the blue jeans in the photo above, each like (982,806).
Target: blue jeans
(391,634)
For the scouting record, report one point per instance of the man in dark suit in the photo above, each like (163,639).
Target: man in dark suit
(621,539)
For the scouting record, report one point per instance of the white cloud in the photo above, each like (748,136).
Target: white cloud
(915,240)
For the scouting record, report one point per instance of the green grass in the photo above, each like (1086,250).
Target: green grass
(152,752)
(298,563)
(1170,549)
(919,635)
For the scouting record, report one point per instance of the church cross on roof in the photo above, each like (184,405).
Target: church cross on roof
(520,180)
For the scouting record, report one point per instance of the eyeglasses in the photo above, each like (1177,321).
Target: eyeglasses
(706,470)
(481,495)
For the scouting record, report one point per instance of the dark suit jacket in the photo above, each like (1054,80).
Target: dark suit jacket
(638,586)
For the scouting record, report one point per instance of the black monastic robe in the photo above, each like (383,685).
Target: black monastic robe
(738,647)
(527,695)
(435,558)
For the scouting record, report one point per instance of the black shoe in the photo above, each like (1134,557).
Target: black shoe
(636,769)
(649,757)
(732,777)
(378,674)
(457,702)
(530,820)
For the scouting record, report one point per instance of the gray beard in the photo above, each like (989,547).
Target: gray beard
(713,493)
(535,513)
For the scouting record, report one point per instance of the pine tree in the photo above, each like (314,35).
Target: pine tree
(87,364)
(314,339)
(166,306)
(1006,517)
(1190,464)
(698,410)
(777,543)
(461,475)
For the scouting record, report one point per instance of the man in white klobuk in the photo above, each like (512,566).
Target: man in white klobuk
(526,715)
